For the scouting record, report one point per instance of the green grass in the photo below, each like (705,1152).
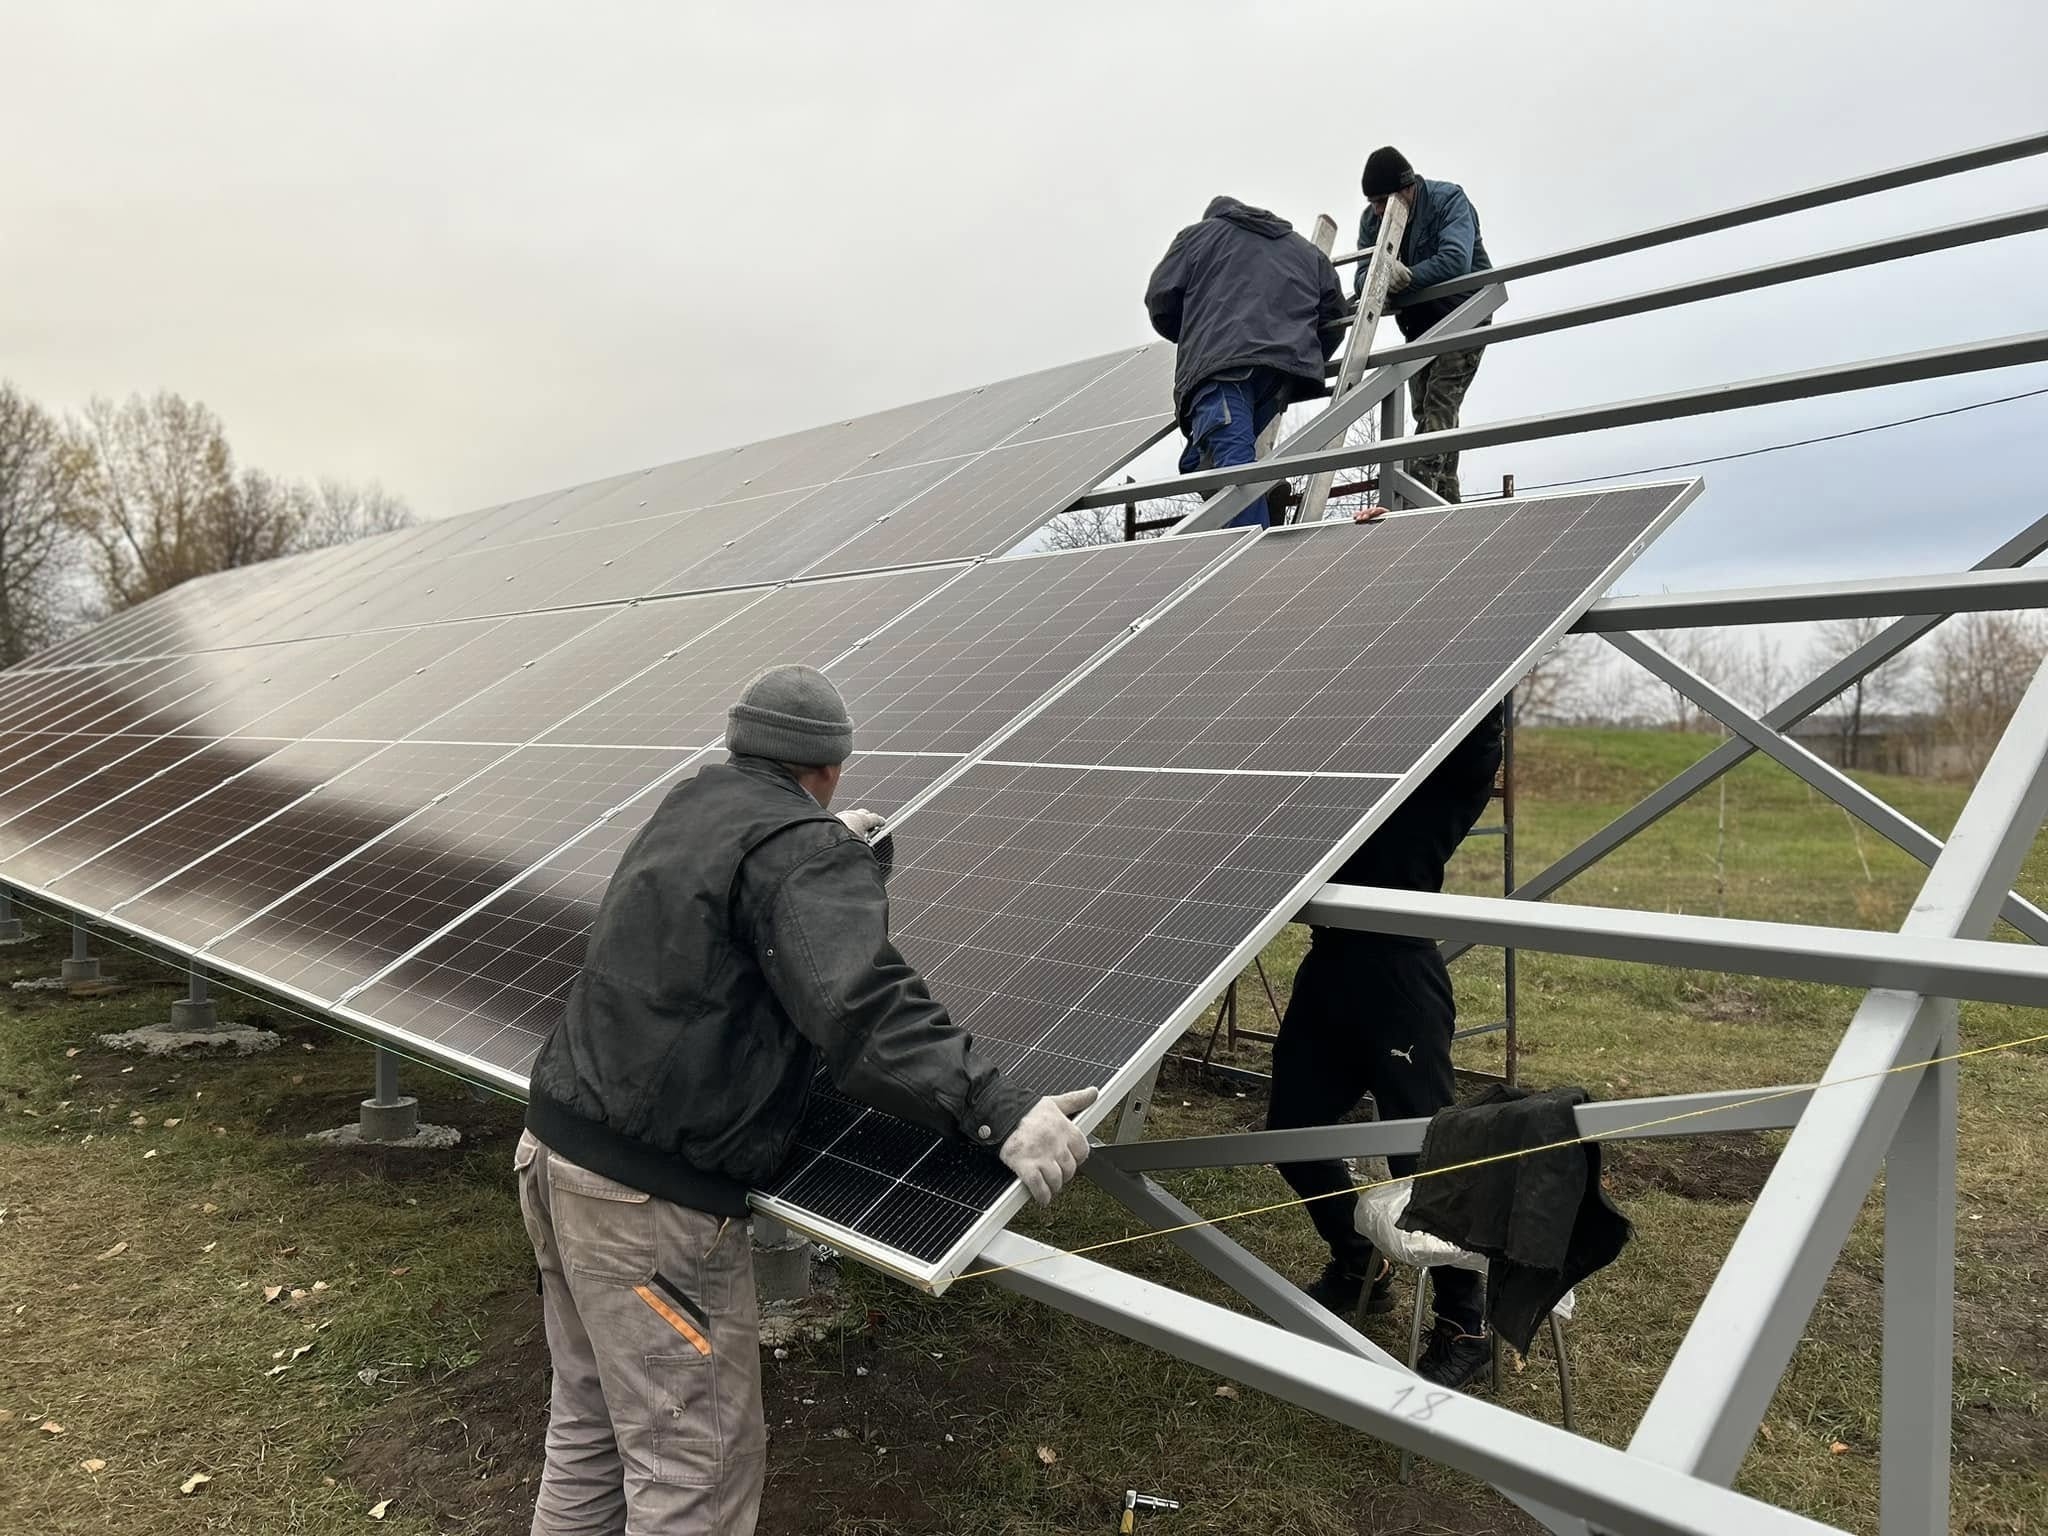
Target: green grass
(154,1359)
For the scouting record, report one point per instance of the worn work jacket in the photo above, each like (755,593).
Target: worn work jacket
(743,940)
(1441,242)
(1242,290)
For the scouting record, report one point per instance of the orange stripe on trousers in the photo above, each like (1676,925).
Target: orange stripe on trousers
(674,1319)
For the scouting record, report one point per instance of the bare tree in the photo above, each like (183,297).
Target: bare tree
(1560,686)
(1883,688)
(1978,667)
(156,497)
(36,543)
(342,511)
(1703,651)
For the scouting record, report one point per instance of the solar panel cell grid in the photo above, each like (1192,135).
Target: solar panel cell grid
(125,869)
(270,858)
(681,702)
(40,840)
(996,412)
(948,674)
(1338,647)
(398,890)
(77,871)
(993,502)
(619,643)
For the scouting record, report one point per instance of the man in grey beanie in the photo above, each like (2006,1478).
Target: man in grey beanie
(742,943)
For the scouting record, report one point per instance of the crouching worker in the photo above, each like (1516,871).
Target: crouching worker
(1254,312)
(743,940)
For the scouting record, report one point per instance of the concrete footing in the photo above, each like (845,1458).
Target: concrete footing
(211,1038)
(11,931)
(396,1119)
(77,970)
(424,1138)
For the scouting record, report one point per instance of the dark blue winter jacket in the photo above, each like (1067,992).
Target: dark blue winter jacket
(1242,290)
(1441,242)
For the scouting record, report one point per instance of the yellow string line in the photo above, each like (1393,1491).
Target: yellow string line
(1503,1157)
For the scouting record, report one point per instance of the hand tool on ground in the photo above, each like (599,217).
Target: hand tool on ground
(1135,1501)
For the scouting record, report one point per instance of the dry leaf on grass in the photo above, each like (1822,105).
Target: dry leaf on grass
(1047,1455)
(1838,1449)
(211,1246)
(1765,1431)
(93,1464)
(115,1252)
(73,1052)
(1226,1390)
(379,1509)
(288,1253)
(51,1427)
(173,1123)
(195,1482)
(209,1209)
(149,1154)
(271,1293)
(402,1269)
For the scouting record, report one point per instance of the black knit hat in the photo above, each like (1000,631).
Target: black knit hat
(1387,171)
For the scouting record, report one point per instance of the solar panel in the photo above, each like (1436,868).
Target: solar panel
(392,779)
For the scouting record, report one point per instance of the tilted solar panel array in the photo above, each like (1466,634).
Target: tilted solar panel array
(391,780)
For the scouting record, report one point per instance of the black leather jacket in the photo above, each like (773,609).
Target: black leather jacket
(742,942)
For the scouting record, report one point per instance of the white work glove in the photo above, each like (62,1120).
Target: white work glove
(1047,1147)
(1399,275)
(862,824)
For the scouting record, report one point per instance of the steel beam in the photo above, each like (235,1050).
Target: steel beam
(1749,213)
(1811,383)
(1328,427)
(1868,657)
(1852,797)
(1977,969)
(1711,1114)
(1874,597)
(1697,290)
(1706,1409)
(1538,1461)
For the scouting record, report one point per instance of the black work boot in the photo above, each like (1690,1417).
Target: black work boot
(1341,1285)
(1454,1357)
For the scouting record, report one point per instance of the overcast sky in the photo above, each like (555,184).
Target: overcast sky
(480,250)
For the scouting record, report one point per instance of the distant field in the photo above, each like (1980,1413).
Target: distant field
(426,1381)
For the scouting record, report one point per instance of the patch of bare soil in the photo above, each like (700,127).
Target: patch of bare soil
(1723,1168)
(1392,1510)
(2004,1435)
(857,1433)
(467,1448)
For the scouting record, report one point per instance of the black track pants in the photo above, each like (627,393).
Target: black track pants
(1373,1013)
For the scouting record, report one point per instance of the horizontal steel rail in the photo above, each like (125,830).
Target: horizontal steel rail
(1710,1114)
(1978,969)
(1697,290)
(1836,379)
(1872,597)
(1619,1493)
(1749,213)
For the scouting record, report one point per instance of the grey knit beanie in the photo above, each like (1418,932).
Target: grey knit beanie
(792,714)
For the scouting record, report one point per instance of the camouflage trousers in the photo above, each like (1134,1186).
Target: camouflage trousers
(1436,393)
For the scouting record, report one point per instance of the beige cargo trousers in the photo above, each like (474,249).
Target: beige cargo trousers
(654,1425)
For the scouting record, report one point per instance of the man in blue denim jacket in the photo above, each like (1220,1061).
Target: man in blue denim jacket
(1254,312)
(1441,242)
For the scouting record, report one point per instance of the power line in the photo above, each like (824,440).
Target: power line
(1750,453)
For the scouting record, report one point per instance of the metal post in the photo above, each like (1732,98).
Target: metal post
(1919,1304)
(195,1010)
(1510,1010)
(388,1115)
(782,1261)
(11,931)
(1393,426)
(83,965)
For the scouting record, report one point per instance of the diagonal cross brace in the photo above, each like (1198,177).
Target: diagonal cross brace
(1829,780)
(1866,658)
